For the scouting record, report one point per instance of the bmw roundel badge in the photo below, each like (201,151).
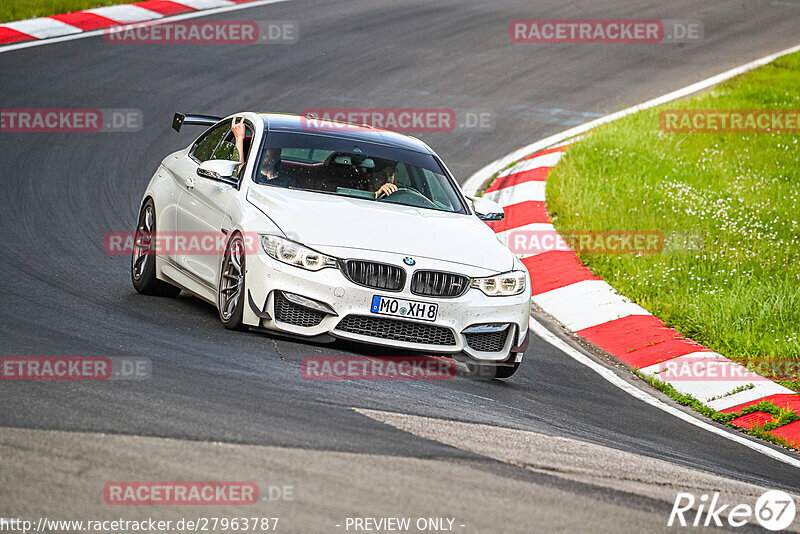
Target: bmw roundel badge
(409,261)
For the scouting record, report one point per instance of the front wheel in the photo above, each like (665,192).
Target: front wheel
(230,298)
(143,258)
(489,372)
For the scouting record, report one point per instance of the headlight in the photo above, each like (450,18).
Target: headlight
(501,285)
(295,254)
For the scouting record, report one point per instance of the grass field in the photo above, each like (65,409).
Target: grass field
(11,10)
(728,205)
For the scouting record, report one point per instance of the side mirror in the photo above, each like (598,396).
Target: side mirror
(487,210)
(220,170)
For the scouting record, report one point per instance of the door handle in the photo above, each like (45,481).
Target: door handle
(189,183)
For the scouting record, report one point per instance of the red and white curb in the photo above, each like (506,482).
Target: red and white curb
(105,17)
(589,307)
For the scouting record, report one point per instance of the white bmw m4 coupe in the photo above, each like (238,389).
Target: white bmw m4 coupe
(333,230)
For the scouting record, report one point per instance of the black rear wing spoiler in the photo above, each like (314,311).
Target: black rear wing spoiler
(194,120)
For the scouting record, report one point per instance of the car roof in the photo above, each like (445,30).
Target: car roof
(286,122)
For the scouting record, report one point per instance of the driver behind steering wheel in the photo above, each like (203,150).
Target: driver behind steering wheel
(388,177)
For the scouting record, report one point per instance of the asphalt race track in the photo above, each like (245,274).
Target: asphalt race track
(235,403)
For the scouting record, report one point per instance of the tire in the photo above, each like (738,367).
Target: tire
(230,292)
(143,259)
(489,372)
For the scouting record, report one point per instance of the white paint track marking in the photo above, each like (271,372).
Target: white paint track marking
(548,160)
(126,13)
(586,303)
(204,4)
(511,195)
(42,28)
(164,20)
(478,179)
(634,391)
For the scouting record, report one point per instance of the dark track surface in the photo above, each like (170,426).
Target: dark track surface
(62,295)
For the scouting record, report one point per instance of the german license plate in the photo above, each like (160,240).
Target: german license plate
(408,309)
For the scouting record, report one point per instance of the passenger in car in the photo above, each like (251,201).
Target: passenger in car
(239,132)
(385,181)
(270,171)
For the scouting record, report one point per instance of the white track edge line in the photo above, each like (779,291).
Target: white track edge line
(472,184)
(154,22)
(643,396)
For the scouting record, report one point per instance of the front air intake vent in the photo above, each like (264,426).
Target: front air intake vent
(439,284)
(290,313)
(392,329)
(375,275)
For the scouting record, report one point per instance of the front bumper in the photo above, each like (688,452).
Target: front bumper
(348,314)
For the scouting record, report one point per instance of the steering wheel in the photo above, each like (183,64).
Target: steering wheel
(409,197)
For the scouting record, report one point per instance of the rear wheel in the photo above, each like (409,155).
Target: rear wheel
(143,258)
(230,299)
(489,372)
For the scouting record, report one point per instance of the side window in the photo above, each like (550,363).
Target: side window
(204,147)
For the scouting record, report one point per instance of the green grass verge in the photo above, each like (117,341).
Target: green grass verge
(11,10)
(736,288)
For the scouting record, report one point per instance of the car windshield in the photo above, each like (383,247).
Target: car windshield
(354,168)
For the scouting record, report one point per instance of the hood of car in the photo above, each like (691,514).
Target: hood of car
(321,220)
